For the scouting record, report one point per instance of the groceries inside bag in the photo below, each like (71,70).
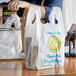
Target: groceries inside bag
(10,39)
(44,43)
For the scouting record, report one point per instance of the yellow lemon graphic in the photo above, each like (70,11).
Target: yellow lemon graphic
(54,44)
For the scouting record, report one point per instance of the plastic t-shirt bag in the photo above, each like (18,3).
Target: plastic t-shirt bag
(44,43)
(10,41)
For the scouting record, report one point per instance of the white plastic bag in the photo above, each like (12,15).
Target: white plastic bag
(44,43)
(10,41)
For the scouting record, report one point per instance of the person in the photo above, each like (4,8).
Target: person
(46,9)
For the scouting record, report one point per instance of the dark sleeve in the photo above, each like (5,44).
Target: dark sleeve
(50,4)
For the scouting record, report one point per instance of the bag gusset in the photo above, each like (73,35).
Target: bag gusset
(10,41)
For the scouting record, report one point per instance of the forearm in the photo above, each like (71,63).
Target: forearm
(43,11)
(16,4)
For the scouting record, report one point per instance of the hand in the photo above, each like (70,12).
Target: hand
(15,5)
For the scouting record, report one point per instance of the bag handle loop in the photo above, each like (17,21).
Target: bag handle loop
(42,3)
(56,14)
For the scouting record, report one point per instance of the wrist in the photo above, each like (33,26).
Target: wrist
(27,5)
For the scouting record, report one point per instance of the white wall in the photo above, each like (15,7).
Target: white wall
(69,15)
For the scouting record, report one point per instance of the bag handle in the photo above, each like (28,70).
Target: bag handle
(32,18)
(42,3)
(56,13)
(34,11)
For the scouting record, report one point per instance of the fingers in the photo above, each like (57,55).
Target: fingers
(9,5)
(13,5)
(17,6)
